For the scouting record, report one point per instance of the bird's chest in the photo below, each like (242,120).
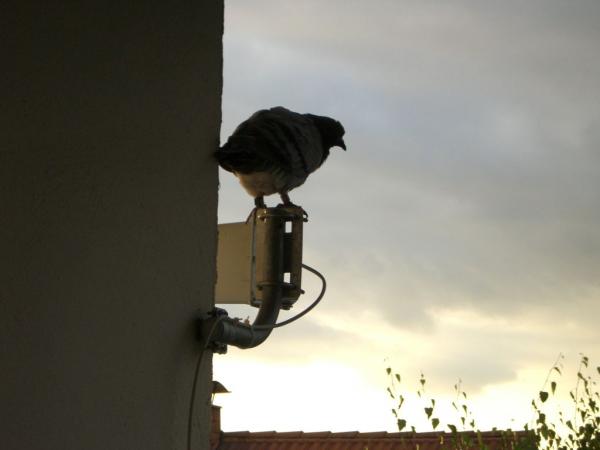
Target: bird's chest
(262,183)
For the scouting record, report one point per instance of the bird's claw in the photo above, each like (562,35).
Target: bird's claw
(292,205)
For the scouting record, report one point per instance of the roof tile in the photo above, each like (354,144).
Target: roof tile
(353,440)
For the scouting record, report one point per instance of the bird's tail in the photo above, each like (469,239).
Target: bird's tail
(223,157)
(235,157)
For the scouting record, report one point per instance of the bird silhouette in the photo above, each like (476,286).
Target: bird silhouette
(276,149)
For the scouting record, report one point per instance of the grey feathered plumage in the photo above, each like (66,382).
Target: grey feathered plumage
(276,149)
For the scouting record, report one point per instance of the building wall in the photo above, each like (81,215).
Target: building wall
(108,195)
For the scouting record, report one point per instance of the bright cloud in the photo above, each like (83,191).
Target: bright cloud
(460,233)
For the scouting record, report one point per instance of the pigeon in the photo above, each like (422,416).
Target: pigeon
(276,149)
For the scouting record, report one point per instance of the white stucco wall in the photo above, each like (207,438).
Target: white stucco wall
(108,195)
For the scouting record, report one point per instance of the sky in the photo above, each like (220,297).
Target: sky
(460,232)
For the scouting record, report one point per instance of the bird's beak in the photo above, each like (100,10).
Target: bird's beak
(340,143)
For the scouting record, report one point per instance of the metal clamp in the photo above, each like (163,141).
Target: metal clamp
(279,252)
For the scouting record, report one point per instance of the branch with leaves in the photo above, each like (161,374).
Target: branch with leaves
(582,428)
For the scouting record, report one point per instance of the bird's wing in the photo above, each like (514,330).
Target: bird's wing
(277,137)
(239,155)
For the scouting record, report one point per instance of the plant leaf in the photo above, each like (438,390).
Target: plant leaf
(390,393)
(584,360)
(543,396)
(401,424)
(435,422)
(553,386)
(428,411)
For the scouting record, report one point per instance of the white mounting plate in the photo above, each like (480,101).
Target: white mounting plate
(235,263)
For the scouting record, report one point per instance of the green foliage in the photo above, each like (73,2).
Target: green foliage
(580,431)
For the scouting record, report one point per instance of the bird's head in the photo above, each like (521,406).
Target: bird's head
(332,133)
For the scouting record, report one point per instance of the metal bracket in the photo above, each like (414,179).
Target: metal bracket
(279,253)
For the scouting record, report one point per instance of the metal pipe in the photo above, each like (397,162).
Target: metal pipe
(216,328)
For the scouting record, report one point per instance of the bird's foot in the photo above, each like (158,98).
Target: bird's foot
(288,204)
(259,203)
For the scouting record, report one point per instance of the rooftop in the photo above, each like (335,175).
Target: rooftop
(351,440)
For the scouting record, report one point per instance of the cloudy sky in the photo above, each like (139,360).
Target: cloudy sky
(460,232)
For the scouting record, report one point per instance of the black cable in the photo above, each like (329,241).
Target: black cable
(191,412)
(256,327)
(195,381)
(297,316)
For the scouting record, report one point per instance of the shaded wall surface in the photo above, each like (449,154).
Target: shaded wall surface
(108,194)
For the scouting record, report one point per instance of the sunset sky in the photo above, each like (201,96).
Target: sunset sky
(460,232)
